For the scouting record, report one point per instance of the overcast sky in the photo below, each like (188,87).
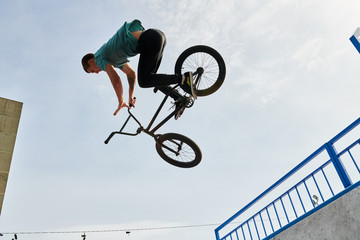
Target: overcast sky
(292,84)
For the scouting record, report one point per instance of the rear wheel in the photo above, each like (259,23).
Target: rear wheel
(178,150)
(207,65)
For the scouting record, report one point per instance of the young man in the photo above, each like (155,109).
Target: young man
(132,39)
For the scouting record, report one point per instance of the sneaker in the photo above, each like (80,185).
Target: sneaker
(180,106)
(189,80)
(179,113)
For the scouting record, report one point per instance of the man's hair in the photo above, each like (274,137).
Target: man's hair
(85,60)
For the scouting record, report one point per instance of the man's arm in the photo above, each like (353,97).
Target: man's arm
(116,82)
(131,76)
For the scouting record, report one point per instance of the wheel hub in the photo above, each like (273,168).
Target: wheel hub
(200,70)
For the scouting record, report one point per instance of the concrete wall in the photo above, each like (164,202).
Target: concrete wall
(10,112)
(340,220)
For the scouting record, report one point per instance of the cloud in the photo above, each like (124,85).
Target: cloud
(243,32)
(308,55)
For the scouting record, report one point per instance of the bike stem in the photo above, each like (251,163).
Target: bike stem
(123,126)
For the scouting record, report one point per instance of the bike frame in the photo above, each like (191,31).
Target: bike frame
(148,129)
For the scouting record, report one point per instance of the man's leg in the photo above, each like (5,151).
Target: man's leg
(169,91)
(151,47)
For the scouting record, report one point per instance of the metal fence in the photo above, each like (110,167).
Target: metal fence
(315,182)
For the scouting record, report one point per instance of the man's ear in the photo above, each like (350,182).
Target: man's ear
(91,61)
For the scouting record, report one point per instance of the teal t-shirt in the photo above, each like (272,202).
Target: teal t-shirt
(120,47)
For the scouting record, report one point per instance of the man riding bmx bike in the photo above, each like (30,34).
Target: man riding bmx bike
(132,39)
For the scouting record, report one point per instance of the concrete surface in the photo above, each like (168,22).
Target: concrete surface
(340,220)
(10,112)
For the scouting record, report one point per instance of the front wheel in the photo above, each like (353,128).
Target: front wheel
(178,150)
(207,65)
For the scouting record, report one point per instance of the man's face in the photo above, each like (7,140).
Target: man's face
(92,67)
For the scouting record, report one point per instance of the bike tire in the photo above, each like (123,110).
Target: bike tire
(206,59)
(178,150)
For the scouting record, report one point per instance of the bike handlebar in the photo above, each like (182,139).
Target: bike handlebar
(121,130)
(110,136)
(130,105)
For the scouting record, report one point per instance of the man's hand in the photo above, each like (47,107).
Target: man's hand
(121,105)
(132,101)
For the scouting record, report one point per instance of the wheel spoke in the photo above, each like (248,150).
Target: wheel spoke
(208,63)
(211,64)
(178,150)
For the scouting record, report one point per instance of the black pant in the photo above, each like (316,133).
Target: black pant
(151,47)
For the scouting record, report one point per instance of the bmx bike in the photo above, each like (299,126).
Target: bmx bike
(209,71)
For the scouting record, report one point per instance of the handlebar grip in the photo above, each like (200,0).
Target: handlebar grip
(131,104)
(110,136)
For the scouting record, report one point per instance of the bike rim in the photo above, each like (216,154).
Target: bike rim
(207,69)
(178,151)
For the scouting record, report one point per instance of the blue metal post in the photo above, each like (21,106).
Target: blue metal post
(257,231)
(249,230)
(354,39)
(262,221)
(277,215)
(237,235)
(242,229)
(292,204)
(270,220)
(282,203)
(332,192)
(341,171)
(352,158)
(302,204)
(317,186)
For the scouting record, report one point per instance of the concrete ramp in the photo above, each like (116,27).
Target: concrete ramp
(339,220)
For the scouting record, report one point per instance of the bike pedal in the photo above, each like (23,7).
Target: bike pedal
(172,107)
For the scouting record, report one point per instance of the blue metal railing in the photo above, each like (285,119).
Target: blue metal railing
(319,179)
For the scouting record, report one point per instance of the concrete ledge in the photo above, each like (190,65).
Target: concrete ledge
(10,107)
(339,219)
(10,112)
